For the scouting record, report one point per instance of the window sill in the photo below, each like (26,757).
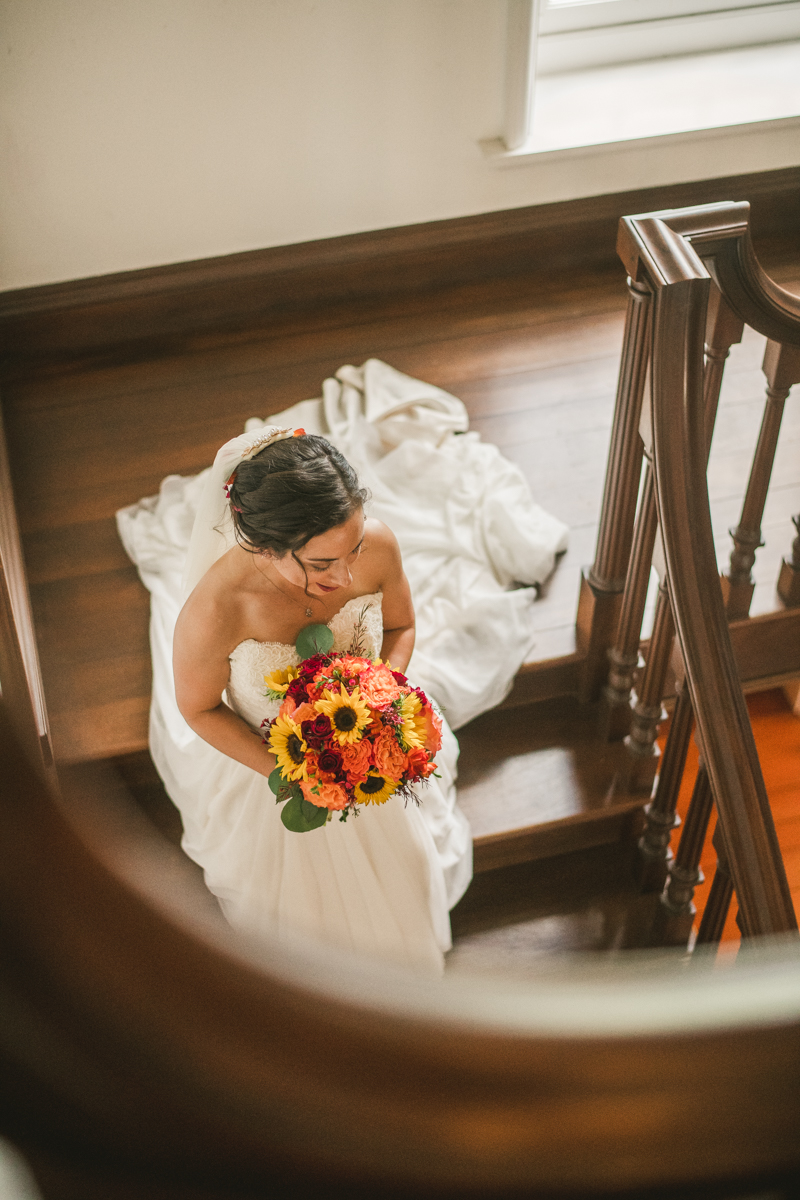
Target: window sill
(662,102)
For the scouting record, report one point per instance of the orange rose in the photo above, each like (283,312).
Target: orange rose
(388,757)
(379,687)
(324,795)
(356,759)
(419,764)
(433,729)
(303,712)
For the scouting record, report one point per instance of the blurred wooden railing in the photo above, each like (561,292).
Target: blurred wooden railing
(694,283)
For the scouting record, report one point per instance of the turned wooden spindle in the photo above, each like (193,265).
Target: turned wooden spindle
(723,329)
(677,910)
(654,854)
(602,584)
(641,762)
(615,710)
(782,369)
(715,913)
(789,578)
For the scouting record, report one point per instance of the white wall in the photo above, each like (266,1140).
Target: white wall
(140,132)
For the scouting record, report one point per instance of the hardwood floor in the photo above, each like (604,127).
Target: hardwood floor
(535,361)
(777,733)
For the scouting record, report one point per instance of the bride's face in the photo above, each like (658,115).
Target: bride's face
(328,559)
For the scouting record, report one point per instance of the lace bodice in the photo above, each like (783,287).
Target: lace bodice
(360,619)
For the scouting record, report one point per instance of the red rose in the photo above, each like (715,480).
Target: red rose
(315,732)
(330,761)
(297,691)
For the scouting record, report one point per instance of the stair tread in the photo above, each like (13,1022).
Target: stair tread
(538,765)
(511,920)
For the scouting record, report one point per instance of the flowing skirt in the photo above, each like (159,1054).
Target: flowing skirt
(381,883)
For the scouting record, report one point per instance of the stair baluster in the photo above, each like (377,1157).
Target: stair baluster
(602,585)
(615,704)
(655,856)
(789,578)
(677,910)
(643,753)
(723,329)
(782,369)
(715,913)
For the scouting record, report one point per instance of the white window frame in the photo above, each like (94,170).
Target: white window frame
(547,37)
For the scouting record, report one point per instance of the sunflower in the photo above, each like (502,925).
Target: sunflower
(413,724)
(376,789)
(278,682)
(349,714)
(286,743)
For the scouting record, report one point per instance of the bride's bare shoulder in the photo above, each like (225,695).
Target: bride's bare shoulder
(379,539)
(213,613)
(381,552)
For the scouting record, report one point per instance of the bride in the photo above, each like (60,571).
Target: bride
(236,580)
(304,553)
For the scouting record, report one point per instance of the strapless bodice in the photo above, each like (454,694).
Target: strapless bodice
(356,628)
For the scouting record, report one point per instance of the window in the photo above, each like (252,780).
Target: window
(576,34)
(602,72)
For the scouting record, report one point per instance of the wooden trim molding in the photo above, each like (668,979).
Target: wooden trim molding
(164,307)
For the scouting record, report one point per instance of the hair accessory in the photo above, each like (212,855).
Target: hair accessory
(259,443)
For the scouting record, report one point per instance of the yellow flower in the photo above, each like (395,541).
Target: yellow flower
(279,681)
(413,725)
(286,743)
(376,789)
(349,714)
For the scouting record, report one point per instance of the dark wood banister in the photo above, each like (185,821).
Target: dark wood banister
(676,254)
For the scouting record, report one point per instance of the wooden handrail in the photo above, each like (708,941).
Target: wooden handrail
(149,1052)
(676,254)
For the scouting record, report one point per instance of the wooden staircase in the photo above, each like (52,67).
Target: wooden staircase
(536,362)
(162,1040)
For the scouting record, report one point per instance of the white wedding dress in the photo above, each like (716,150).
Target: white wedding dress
(381,883)
(375,883)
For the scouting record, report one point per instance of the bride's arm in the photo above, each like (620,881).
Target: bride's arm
(398,610)
(200,660)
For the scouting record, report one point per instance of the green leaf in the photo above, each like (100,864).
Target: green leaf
(314,639)
(300,816)
(276,780)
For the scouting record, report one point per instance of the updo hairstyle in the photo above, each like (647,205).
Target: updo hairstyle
(291,492)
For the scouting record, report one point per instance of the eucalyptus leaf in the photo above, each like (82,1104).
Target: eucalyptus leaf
(314,639)
(276,780)
(299,816)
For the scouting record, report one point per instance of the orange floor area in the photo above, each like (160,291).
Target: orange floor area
(777,733)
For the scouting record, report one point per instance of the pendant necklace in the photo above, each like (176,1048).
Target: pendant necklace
(308,610)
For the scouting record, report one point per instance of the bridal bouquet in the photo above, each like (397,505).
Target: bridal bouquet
(350,731)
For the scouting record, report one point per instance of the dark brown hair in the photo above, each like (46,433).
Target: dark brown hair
(292,491)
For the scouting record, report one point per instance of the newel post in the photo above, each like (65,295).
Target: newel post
(603,583)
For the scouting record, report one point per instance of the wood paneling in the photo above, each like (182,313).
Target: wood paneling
(164,306)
